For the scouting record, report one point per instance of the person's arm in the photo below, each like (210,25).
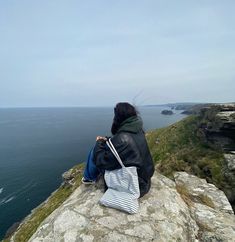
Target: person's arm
(103,157)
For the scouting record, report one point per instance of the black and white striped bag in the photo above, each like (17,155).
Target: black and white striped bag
(123,186)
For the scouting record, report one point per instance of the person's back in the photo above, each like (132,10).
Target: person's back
(134,151)
(130,143)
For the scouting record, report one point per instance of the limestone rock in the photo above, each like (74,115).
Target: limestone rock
(230,159)
(227,116)
(209,208)
(68,177)
(214,225)
(201,191)
(164,215)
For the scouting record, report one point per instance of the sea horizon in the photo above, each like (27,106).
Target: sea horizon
(101,106)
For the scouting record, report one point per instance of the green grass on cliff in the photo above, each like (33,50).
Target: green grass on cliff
(32,222)
(179,148)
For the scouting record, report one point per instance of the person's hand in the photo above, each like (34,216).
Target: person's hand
(100,138)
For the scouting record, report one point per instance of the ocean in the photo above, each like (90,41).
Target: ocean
(38,144)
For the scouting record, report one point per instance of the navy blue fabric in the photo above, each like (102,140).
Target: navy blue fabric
(91,172)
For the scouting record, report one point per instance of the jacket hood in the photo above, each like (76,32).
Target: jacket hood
(133,124)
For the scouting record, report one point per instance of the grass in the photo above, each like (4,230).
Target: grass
(207,201)
(189,199)
(179,147)
(185,195)
(31,223)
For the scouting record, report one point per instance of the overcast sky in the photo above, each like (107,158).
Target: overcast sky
(97,53)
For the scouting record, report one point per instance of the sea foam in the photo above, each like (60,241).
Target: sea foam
(9,199)
(6,200)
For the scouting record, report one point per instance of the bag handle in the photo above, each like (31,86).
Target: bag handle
(114,151)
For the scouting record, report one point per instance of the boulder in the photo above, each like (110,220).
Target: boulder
(200,191)
(68,177)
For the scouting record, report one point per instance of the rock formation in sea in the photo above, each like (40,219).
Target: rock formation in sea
(167,112)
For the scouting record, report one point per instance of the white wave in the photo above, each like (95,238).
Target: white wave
(20,191)
(25,188)
(6,200)
(9,199)
(2,201)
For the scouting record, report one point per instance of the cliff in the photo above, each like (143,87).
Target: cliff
(202,145)
(217,122)
(186,209)
(179,207)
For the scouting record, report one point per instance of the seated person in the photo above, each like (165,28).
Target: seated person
(130,142)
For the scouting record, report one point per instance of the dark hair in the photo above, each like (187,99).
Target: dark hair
(122,111)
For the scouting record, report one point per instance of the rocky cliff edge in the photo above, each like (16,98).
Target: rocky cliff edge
(186,209)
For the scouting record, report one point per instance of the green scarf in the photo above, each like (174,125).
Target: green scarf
(133,124)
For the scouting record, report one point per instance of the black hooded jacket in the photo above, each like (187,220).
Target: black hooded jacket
(132,148)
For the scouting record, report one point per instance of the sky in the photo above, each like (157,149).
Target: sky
(100,52)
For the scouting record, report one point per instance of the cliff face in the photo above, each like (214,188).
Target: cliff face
(217,129)
(218,126)
(201,144)
(186,209)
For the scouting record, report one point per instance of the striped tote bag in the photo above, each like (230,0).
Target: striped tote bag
(123,186)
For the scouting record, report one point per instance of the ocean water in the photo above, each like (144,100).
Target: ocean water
(38,144)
